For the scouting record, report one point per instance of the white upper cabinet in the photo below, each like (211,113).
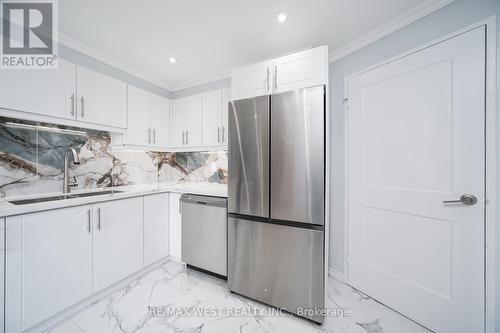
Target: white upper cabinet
(178,123)
(139,116)
(226,98)
(252,80)
(160,121)
(148,119)
(299,70)
(200,121)
(4,88)
(118,241)
(193,121)
(212,118)
(101,99)
(49,92)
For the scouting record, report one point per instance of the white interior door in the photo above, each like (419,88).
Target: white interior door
(416,139)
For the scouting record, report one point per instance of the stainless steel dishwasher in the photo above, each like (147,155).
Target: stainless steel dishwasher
(204,233)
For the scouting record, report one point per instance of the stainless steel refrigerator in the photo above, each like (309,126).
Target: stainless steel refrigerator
(276,200)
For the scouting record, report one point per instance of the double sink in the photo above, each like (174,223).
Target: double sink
(62,197)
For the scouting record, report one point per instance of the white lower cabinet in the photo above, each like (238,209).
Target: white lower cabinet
(117,241)
(48,264)
(175,226)
(156,227)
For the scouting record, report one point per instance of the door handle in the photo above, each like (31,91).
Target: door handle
(183,138)
(466,199)
(72,104)
(275,77)
(154,136)
(218,134)
(267,80)
(99,219)
(187,137)
(82,104)
(149,135)
(89,222)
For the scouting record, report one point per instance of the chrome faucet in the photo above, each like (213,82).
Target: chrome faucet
(70,153)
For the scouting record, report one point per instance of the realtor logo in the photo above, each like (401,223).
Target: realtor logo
(28,34)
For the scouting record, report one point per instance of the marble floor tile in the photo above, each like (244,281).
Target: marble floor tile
(174,287)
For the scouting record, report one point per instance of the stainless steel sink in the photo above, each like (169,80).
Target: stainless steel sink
(62,197)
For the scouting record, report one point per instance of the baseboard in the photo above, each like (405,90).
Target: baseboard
(337,275)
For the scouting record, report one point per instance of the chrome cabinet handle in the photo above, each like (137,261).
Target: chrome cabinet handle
(149,135)
(154,136)
(99,219)
(275,77)
(187,137)
(223,134)
(72,104)
(182,137)
(82,104)
(466,199)
(267,80)
(89,222)
(218,134)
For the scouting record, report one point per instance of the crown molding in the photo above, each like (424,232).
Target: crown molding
(415,14)
(201,80)
(87,50)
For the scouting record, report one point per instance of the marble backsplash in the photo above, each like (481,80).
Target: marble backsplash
(32,160)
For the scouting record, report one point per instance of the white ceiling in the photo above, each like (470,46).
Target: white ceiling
(210,36)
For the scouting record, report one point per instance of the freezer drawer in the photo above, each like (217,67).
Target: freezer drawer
(204,232)
(248,185)
(279,265)
(298,155)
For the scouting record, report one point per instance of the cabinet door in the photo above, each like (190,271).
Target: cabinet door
(49,265)
(212,118)
(48,92)
(156,233)
(2,272)
(118,241)
(160,121)
(102,100)
(139,117)
(301,70)
(193,121)
(251,81)
(226,98)
(4,88)
(175,226)
(178,123)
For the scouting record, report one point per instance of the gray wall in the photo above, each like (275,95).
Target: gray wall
(99,66)
(458,15)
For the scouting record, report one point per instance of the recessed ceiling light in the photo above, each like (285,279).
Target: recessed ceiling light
(172,60)
(282,17)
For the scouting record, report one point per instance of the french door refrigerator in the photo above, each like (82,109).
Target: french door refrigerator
(276,200)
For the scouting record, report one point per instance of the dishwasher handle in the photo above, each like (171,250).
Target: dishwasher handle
(204,200)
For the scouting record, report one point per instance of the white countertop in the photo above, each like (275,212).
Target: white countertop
(9,209)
